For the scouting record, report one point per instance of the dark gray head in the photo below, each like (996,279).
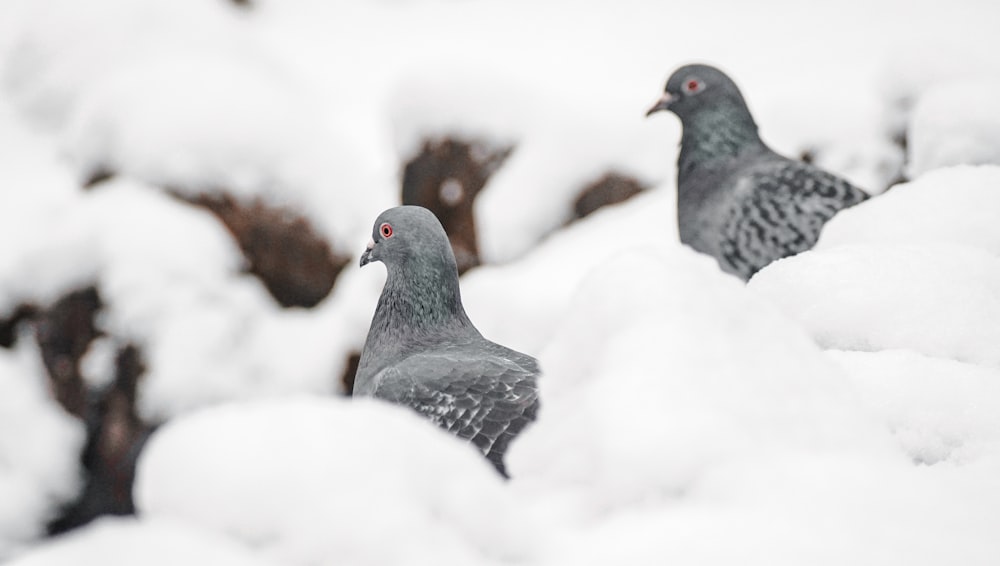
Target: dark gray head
(409,237)
(693,88)
(421,301)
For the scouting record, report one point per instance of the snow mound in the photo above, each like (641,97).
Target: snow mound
(36,193)
(936,299)
(680,410)
(955,123)
(328,481)
(939,410)
(56,50)
(808,511)
(955,205)
(172,121)
(520,304)
(666,369)
(40,448)
(126,542)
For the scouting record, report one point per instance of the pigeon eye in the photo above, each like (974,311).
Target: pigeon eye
(385,229)
(693,85)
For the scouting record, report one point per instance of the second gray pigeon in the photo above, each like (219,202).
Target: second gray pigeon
(422,350)
(737,199)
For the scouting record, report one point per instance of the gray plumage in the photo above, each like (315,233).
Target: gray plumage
(738,200)
(422,350)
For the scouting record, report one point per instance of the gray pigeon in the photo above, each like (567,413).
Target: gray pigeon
(738,200)
(423,351)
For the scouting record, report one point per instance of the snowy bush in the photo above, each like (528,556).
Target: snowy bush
(325,481)
(129,541)
(939,300)
(663,369)
(938,410)
(39,451)
(953,205)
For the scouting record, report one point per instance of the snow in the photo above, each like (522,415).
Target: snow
(146,122)
(37,191)
(119,541)
(825,511)
(953,205)
(120,124)
(916,66)
(58,51)
(839,409)
(915,269)
(522,304)
(955,123)
(938,410)
(328,481)
(936,299)
(97,366)
(39,447)
(662,350)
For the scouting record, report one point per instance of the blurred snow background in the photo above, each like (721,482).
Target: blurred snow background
(844,407)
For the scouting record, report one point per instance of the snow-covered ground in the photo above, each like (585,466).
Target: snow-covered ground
(841,408)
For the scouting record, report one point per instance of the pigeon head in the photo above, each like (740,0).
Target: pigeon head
(421,299)
(409,237)
(693,89)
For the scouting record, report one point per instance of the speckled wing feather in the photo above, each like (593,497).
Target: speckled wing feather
(782,215)
(486,399)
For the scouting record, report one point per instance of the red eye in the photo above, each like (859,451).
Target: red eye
(692,85)
(386,230)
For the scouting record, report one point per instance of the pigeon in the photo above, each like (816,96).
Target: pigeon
(737,199)
(424,353)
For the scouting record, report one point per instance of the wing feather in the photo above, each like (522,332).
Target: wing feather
(486,399)
(783,215)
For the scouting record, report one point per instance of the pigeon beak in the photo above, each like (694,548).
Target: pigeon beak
(662,104)
(366,256)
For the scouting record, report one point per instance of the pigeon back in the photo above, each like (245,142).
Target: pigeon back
(471,392)
(777,209)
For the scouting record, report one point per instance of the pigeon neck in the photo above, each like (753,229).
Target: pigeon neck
(724,132)
(420,305)
(414,313)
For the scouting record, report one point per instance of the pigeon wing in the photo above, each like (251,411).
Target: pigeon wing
(487,400)
(786,205)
